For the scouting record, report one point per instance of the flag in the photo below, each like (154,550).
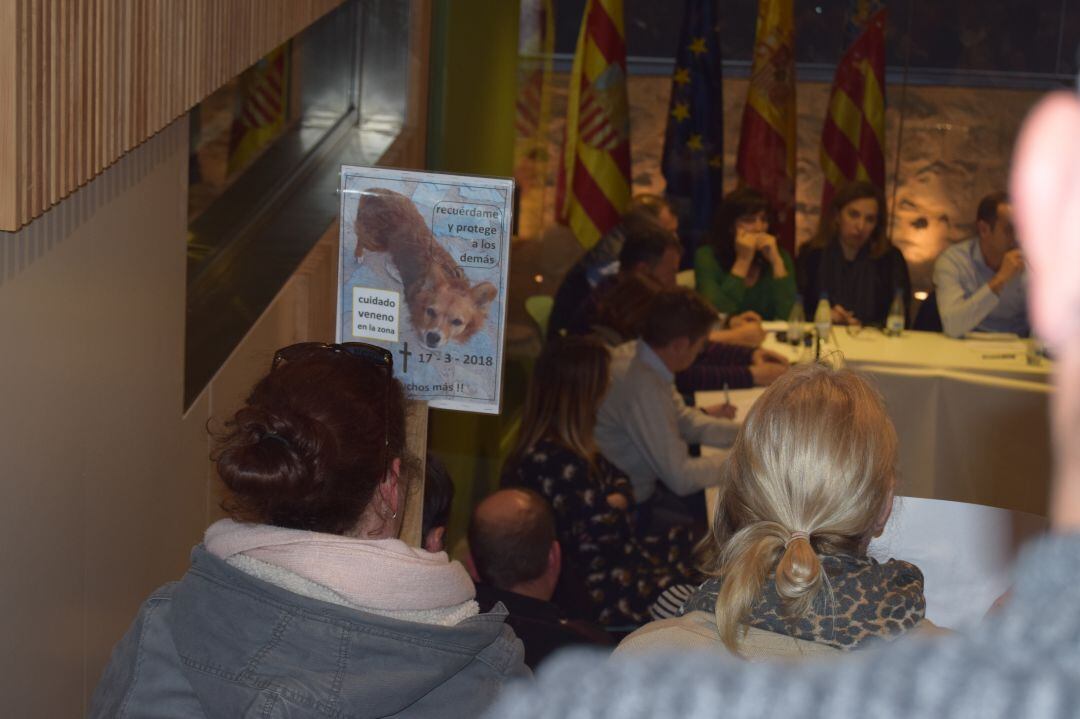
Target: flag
(262,102)
(594,183)
(766,156)
(693,159)
(853,137)
(536,45)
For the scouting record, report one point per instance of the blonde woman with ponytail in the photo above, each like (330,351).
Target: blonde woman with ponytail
(809,482)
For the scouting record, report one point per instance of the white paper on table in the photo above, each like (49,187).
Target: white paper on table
(1013,347)
(686,278)
(965,551)
(741,399)
(991,336)
(774,326)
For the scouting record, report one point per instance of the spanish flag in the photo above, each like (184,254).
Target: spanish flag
(766,156)
(594,185)
(853,138)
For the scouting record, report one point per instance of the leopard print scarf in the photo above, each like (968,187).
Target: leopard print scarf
(870,601)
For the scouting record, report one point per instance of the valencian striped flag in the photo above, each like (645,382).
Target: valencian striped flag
(853,138)
(693,160)
(532,162)
(536,44)
(594,185)
(263,98)
(766,157)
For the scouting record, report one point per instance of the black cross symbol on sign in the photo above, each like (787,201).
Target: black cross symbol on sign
(406,354)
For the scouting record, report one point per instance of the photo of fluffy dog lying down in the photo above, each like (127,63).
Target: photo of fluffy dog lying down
(443,306)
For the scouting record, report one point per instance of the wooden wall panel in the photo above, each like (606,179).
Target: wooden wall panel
(84,81)
(10,81)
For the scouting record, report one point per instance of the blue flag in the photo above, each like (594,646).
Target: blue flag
(693,161)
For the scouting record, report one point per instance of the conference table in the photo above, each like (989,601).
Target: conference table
(971,414)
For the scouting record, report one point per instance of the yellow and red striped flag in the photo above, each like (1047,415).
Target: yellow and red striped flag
(594,184)
(766,156)
(853,138)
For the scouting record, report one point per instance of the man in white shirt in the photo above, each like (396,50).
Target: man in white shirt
(643,425)
(980,282)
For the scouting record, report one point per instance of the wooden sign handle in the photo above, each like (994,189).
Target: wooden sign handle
(416,422)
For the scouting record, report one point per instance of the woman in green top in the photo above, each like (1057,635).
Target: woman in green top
(742,268)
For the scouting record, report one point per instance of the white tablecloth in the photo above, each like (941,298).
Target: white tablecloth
(965,551)
(869,347)
(973,426)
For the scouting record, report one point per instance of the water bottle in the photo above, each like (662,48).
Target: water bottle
(823,318)
(795,322)
(894,323)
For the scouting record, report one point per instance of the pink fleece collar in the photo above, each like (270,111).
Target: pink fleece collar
(382,574)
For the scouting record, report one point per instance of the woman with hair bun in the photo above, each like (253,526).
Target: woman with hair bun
(807,485)
(304,602)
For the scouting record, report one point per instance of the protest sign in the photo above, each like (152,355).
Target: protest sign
(423,272)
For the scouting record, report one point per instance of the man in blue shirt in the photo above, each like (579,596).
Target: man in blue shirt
(980,282)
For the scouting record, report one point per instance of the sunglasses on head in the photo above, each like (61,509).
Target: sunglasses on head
(377,356)
(371,354)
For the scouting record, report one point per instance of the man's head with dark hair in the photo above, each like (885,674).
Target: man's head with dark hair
(994,226)
(438,497)
(624,307)
(512,543)
(648,247)
(677,326)
(659,209)
(677,312)
(988,207)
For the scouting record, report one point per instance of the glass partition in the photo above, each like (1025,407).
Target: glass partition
(263,171)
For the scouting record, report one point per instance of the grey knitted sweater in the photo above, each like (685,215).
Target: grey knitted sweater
(1023,662)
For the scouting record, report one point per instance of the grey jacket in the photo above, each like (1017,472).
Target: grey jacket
(220,643)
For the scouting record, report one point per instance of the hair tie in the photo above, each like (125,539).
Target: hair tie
(797,535)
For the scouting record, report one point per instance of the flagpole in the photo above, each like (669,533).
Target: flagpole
(900,128)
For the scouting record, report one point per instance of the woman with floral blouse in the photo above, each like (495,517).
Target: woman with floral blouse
(611,573)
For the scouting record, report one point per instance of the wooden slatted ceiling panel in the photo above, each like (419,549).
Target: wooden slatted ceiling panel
(84,81)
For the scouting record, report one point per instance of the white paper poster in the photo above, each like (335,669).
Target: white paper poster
(423,272)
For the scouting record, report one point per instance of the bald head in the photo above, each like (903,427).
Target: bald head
(510,537)
(510,505)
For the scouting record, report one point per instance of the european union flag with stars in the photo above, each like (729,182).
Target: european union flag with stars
(693,160)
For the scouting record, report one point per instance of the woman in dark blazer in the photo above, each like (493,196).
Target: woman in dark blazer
(851,260)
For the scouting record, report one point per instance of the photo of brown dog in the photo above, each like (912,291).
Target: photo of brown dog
(443,305)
